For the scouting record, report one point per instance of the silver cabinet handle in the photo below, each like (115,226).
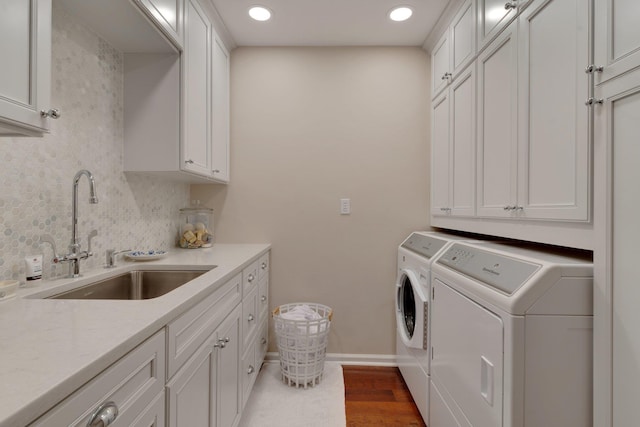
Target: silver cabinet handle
(592,101)
(251,370)
(189,162)
(105,415)
(592,68)
(263,298)
(216,171)
(445,209)
(251,278)
(446,76)
(263,265)
(250,318)
(263,341)
(222,343)
(509,208)
(53,113)
(511,5)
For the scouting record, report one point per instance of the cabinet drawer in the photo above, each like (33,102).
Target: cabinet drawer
(248,372)
(250,277)
(131,384)
(250,317)
(263,266)
(263,298)
(189,331)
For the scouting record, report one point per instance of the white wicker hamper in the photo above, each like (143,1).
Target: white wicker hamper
(302,344)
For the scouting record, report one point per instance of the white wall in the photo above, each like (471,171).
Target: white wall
(310,126)
(36,174)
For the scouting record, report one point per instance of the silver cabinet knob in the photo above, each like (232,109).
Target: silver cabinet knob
(216,171)
(53,113)
(592,68)
(250,318)
(446,76)
(105,415)
(251,278)
(509,208)
(189,162)
(593,101)
(251,370)
(510,5)
(263,298)
(263,265)
(263,341)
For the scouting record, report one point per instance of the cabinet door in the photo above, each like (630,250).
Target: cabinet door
(440,67)
(497,126)
(191,394)
(229,392)
(440,156)
(463,38)
(167,14)
(220,119)
(463,143)
(554,167)
(617,46)
(25,77)
(617,373)
(196,85)
(493,17)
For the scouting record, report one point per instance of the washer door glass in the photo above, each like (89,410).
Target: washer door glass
(408,306)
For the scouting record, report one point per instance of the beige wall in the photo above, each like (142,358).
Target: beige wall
(311,126)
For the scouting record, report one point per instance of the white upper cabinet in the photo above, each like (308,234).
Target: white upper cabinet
(554,137)
(497,126)
(493,17)
(25,76)
(617,47)
(440,65)
(167,15)
(196,91)
(455,49)
(453,148)
(220,120)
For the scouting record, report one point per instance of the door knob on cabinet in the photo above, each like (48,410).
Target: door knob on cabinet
(263,265)
(105,415)
(251,278)
(189,162)
(592,68)
(592,101)
(250,318)
(263,298)
(52,113)
(216,171)
(510,5)
(446,76)
(251,370)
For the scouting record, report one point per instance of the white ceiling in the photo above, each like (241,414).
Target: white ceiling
(329,22)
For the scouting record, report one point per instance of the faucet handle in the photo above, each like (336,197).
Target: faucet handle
(92,234)
(47,238)
(111,257)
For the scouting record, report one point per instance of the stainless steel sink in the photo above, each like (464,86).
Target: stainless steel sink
(134,285)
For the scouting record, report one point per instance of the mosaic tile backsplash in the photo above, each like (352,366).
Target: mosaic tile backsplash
(36,174)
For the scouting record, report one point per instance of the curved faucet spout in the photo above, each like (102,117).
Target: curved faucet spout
(93,199)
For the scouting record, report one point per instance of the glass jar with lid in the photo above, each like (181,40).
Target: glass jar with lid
(196,227)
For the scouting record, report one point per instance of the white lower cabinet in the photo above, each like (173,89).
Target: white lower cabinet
(131,387)
(197,371)
(205,391)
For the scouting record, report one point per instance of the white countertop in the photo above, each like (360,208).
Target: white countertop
(49,348)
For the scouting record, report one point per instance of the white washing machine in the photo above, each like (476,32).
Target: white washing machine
(413,282)
(511,337)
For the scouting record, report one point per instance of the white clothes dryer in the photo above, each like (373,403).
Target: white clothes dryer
(511,337)
(413,287)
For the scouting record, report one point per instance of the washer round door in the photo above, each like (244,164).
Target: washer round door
(411,307)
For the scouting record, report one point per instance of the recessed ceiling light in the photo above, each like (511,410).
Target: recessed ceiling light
(401,13)
(260,13)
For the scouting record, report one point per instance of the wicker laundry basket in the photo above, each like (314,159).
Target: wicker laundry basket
(302,344)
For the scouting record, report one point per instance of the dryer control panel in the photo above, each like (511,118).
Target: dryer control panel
(427,246)
(491,269)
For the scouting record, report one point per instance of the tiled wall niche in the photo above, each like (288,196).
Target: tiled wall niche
(36,174)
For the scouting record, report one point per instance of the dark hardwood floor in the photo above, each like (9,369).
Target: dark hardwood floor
(378,396)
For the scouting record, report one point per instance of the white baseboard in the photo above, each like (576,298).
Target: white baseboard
(349,359)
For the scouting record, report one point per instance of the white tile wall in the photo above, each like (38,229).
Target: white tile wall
(36,174)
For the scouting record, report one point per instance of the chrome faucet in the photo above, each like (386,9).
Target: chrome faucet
(75,254)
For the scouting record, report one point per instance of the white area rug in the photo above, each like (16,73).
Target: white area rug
(274,404)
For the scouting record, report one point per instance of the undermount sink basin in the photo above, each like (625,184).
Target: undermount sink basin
(134,285)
